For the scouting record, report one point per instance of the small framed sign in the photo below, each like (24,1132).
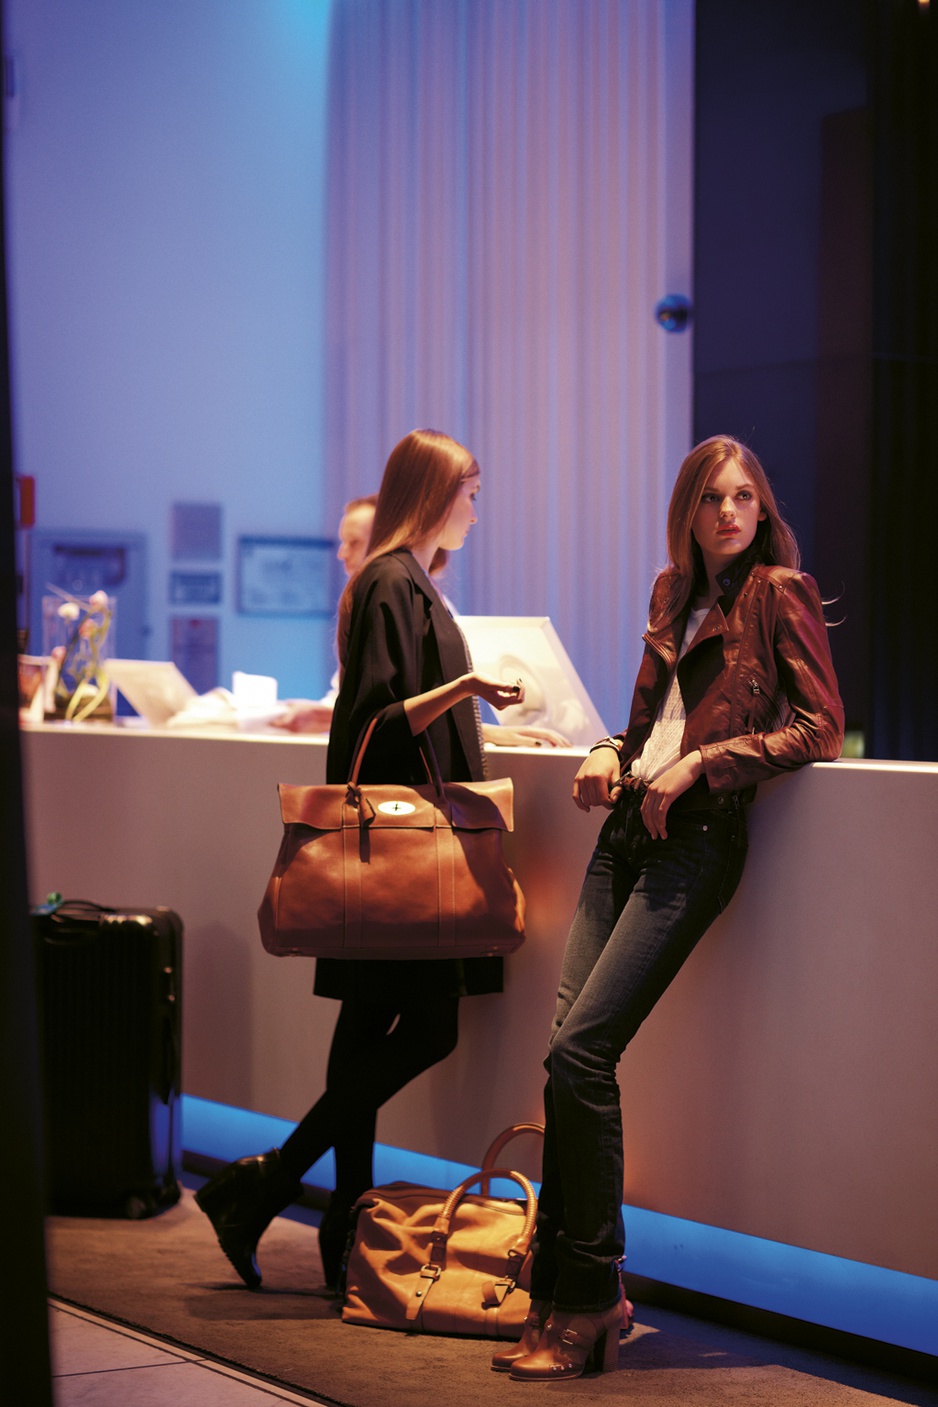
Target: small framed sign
(195,588)
(285,576)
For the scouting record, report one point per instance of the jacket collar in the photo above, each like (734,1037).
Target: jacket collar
(454,658)
(730,579)
(415,571)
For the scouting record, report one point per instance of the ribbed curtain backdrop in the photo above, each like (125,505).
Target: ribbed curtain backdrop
(496,246)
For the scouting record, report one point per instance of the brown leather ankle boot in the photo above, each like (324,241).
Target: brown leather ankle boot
(530,1336)
(573,1343)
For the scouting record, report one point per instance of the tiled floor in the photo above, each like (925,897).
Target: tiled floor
(97,1363)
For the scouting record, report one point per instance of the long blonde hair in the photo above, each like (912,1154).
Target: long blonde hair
(774,539)
(421,480)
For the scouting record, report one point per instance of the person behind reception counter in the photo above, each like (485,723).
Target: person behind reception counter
(736,685)
(403,660)
(315,715)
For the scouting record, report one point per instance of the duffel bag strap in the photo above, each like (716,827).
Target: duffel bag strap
(495,1292)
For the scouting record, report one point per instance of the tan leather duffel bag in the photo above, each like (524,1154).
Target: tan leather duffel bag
(438,1262)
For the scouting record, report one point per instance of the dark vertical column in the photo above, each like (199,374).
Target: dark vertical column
(768,78)
(904,503)
(24,1339)
(816,314)
(844,401)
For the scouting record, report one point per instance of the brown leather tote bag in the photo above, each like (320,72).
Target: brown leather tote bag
(377,870)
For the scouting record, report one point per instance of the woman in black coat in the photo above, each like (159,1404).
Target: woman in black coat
(403,660)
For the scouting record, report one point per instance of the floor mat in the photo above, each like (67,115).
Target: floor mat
(168,1276)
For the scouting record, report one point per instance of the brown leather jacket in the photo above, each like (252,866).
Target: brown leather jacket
(758,683)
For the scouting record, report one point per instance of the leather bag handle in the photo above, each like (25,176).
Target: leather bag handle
(441,1227)
(364,738)
(439,1236)
(496,1146)
(424,746)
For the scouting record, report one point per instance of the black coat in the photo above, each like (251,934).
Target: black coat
(402,642)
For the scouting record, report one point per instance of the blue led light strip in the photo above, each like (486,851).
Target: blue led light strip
(869,1300)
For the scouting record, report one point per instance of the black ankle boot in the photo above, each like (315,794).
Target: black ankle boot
(241,1201)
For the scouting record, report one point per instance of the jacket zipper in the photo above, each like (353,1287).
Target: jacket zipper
(755,691)
(774,713)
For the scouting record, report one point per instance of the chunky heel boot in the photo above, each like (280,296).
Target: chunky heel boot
(531,1333)
(573,1344)
(241,1201)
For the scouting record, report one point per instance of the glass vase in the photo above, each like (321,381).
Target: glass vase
(77,634)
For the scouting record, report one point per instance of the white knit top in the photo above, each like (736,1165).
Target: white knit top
(663,744)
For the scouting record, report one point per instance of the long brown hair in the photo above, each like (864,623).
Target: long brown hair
(421,480)
(774,540)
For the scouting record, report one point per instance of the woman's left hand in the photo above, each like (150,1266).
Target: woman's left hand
(497,692)
(423,709)
(666,789)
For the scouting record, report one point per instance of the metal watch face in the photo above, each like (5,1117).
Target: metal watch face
(397,808)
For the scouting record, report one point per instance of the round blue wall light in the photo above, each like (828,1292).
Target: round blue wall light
(673,312)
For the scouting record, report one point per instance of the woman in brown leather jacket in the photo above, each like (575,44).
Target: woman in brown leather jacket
(735,685)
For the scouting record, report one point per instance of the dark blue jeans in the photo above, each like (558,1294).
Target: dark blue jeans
(643,907)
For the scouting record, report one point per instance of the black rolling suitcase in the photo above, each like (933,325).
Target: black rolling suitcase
(110,1008)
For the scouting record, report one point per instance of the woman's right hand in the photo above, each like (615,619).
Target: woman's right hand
(504,735)
(304,716)
(597,782)
(496,692)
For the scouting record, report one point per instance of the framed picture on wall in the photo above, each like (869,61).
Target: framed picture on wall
(285,576)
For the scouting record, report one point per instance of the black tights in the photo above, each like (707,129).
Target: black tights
(377,1048)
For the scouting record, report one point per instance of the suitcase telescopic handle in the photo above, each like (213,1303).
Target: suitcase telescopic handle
(81,914)
(80,908)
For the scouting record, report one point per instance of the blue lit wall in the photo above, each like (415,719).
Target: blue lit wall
(165,174)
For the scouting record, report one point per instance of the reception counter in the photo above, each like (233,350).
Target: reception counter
(784,1087)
